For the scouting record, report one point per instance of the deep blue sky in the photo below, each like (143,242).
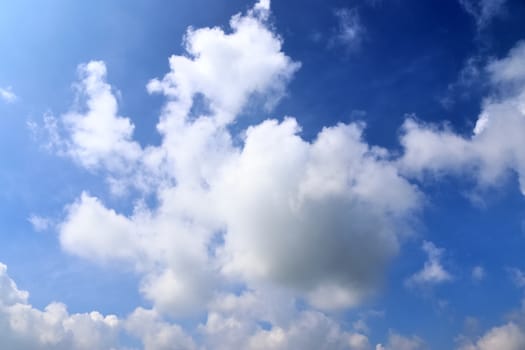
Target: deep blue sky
(408,61)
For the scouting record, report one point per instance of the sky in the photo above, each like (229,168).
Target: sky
(227,174)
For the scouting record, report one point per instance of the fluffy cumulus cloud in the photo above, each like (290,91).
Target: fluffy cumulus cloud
(234,322)
(319,218)
(495,148)
(509,337)
(313,214)
(25,327)
(155,333)
(93,135)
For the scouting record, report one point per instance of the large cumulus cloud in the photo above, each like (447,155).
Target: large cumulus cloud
(320,218)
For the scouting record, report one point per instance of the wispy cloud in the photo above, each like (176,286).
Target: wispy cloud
(483,11)
(433,271)
(349,32)
(517,276)
(7,94)
(478,273)
(39,223)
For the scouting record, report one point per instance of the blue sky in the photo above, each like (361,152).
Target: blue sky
(254,175)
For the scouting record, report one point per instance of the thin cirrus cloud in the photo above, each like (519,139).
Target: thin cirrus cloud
(483,11)
(7,95)
(350,30)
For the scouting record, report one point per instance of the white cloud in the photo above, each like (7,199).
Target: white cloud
(510,69)
(25,327)
(433,272)
(290,206)
(483,11)
(508,337)
(98,135)
(311,331)
(227,68)
(316,220)
(157,334)
(399,342)
(170,252)
(496,148)
(91,133)
(234,323)
(39,223)
(7,95)
(320,218)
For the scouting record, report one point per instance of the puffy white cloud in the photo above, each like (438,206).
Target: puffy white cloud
(226,68)
(234,322)
(399,342)
(157,334)
(496,147)
(311,331)
(320,218)
(166,248)
(433,272)
(508,337)
(483,11)
(99,135)
(7,94)
(92,133)
(25,327)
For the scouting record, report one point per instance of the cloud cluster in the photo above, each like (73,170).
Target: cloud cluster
(494,150)
(25,327)
(509,336)
(260,217)
(320,218)
(232,323)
